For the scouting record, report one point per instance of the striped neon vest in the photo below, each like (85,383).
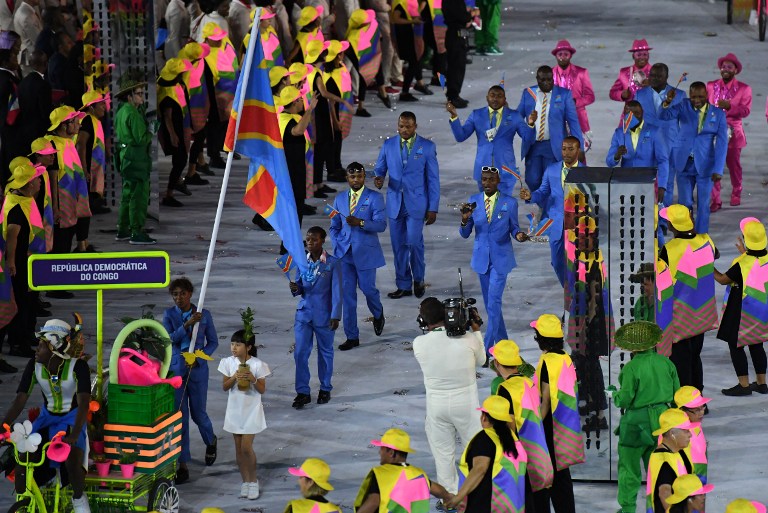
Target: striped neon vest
(655,463)
(32,214)
(310,506)
(401,488)
(273,54)
(697,453)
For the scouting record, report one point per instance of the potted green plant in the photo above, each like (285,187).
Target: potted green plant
(102,464)
(128,463)
(146,339)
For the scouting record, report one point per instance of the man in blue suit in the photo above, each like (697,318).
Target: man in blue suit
(316,314)
(413,196)
(495,127)
(493,215)
(354,234)
(701,149)
(550,196)
(639,144)
(650,99)
(551,111)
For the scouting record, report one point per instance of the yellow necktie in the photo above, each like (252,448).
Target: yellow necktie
(488,209)
(702,115)
(542,117)
(352,203)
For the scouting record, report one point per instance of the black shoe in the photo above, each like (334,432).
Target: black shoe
(418,288)
(459,102)
(59,294)
(195,180)
(706,409)
(7,368)
(43,304)
(362,113)
(337,177)
(182,188)
(378,325)
(170,201)
(349,344)
(399,293)
(205,170)
(42,312)
(182,476)
(323,397)
(760,389)
(385,101)
(325,188)
(308,210)
(210,452)
(423,90)
(408,97)
(300,400)
(262,223)
(23,351)
(100,209)
(737,390)
(236,156)
(320,195)
(217,163)
(435,82)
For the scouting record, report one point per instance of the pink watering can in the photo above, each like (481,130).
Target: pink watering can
(58,450)
(134,368)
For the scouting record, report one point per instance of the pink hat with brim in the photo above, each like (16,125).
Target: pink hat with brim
(297,471)
(746,220)
(50,150)
(563,44)
(267,14)
(206,50)
(731,58)
(760,507)
(379,443)
(640,45)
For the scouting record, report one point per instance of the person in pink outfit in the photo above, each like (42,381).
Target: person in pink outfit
(735,98)
(633,77)
(575,78)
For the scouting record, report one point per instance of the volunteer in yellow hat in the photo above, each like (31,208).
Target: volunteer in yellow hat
(690,400)
(313,476)
(556,380)
(745,506)
(91,145)
(279,77)
(309,30)
(688,494)
(483,457)
(393,476)
(299,72)
(518,389)
(669,461)
(739,326)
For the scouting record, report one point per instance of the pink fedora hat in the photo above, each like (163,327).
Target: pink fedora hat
(639,45)
(731,58)
(563,44)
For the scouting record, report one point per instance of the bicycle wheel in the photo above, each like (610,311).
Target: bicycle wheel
(761,19)
(23,506)
(164,497)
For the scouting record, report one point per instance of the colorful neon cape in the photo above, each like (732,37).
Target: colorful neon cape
(411,8)
(98,156)
(402,489)
(365,43)
(753,327)
(310,506)
(73,188)
(657,459)
(35,220)
(343,81)
(199,103)
(273,54)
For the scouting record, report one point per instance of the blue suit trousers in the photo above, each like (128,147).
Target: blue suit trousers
(686,181)
(192,397)
(539,157)
(406,234)
(492,284)
(557,252)
(303,332)
(352,277)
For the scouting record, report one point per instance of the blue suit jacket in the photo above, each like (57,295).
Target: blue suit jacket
(667,128)
(417,184)
(366,249)
(499,152)
(651,151)
(207,340)
(321,300)
(550,194)
(493,241)
(562,120)
(709,147)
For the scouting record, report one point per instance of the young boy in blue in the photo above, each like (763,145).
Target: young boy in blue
(355,237)
(192,396)
(317,314)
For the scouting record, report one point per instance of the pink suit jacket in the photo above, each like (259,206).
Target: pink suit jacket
(740,96)
(577,80)
(625,80)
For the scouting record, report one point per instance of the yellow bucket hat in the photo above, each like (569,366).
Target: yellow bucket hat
(745,506)
(314,49)
(276,74)
(287,96)
(674,418)
(42,146)
(396,439)
(335,48)
(174,67)
(193,51)
(61,114)
(315,469)
(686,486)
(548,325)
(91,97)
(507,353)
(213,32)
(360,18)
(497,407)
(690,397)
(299,72)
(309,14)
(22,174)
(754,233)
(101,68)
(679,216)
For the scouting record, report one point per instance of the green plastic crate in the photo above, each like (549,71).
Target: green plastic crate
(139,406)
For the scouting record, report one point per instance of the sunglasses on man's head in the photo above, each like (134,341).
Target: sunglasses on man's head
(490,169)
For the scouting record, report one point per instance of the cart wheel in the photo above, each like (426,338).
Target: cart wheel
(164,497)
(22,506)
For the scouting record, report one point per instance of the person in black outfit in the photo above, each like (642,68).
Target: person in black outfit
(405,37)
(457,18)
(10,45)
(174,122)
(35,103)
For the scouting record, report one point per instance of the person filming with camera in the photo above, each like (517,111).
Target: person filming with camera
(495,223)
(448,357)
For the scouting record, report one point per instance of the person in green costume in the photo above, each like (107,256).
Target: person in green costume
(648,385)
(487,38)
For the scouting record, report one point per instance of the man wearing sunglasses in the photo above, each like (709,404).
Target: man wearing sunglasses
(495,224)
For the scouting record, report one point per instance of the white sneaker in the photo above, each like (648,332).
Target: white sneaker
(81,505)
(253,491)
(244,490)
(753,18)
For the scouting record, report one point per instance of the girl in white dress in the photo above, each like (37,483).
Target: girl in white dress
(245,380)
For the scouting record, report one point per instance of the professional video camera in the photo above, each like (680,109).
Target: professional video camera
(459,313)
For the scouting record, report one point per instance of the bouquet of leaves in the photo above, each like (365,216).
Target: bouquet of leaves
(146,339)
